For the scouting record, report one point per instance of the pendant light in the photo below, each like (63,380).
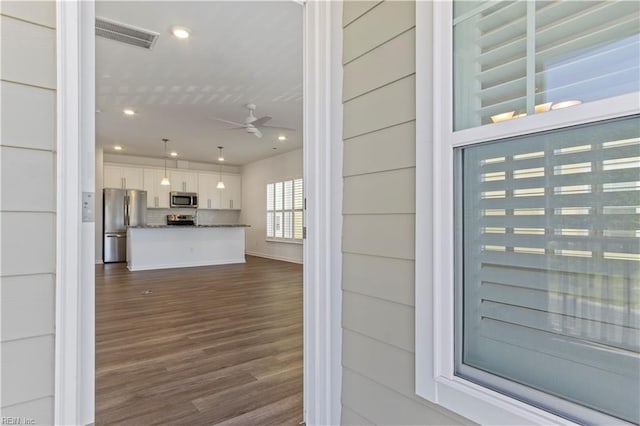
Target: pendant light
(165,179)
(220,184)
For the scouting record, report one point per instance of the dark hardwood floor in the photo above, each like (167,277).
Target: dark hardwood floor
(199,346)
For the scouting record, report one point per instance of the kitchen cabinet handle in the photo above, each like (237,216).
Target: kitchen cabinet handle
(156,201)
(125,183)
(230,204)
(209,203)
(122,182)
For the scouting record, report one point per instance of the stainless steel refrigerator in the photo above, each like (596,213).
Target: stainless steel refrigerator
(122,208)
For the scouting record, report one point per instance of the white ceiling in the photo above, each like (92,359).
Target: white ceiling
(238,53)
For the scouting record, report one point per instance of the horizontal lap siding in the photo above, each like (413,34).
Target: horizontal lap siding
(27,209)
(379,218)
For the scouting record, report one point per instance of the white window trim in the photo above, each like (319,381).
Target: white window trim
(434,327)
(298,241)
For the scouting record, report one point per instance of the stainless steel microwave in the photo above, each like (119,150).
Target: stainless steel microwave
(184,199)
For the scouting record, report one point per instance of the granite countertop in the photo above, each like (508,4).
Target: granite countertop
(235,225)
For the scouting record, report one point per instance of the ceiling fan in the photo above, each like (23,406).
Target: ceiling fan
(252,124)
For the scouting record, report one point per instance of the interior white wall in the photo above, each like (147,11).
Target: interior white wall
(255,177)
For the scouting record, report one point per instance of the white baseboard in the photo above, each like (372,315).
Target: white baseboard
(183,265)
(270,256)
(99,262)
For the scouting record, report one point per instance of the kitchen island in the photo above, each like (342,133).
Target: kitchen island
(166,246)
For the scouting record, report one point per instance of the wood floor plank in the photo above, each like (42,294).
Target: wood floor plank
(199,345)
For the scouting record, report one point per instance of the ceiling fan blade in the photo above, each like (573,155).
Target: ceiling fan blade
(260,121)
(240,125)
(278,127)
(258,133)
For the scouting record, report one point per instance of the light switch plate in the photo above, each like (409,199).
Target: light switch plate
(88,206)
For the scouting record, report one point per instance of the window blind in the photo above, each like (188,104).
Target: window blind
(550,267)
(516,58)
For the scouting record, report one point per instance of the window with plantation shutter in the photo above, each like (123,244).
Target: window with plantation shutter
(285,210)
(528,210)
(270,209)
(518,58)
(549,290)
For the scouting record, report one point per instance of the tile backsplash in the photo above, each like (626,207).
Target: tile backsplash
(203,217)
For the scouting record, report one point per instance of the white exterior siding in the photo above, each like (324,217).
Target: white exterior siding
(378,383)
(27,209)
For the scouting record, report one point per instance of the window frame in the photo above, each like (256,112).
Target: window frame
(292,210)
(435,219)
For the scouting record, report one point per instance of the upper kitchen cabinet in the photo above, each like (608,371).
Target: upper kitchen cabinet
(182,181)
(157,194)
(122,177)
(219,199)
(209,196)
(230,195)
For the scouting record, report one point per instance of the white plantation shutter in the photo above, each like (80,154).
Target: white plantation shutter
(288,195)
(278,224)
(278,196)
(270,207)
(516,58)
(288,224)
(550,279)
(298,205)
(285,209)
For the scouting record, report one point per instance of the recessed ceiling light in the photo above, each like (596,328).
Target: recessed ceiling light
(117,148)
(566,104)
(174,154)
(128,111)
(282,138)
(181,32)
(502,116)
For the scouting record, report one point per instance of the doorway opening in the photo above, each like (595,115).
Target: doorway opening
(199,318)
(76,163)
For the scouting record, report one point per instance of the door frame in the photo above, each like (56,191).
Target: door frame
(74,401)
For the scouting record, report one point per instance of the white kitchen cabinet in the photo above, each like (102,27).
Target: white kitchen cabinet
(157,194)
(232,192)
(182,181)
(219,199)
(123,177)
(208,195)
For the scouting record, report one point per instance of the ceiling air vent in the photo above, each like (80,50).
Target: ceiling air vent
(125,33)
